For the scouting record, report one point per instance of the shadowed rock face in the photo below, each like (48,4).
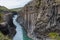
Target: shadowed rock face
(6,21)
(39,18)
(7,27)
(4,28)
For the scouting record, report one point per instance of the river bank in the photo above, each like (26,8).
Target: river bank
(20,32)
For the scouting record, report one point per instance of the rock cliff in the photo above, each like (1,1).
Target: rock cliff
(6,22)
(39,18)
(7,27)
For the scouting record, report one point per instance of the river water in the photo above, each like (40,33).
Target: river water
(21,34)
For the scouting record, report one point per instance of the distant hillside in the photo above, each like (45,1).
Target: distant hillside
(3,8)
(16,9)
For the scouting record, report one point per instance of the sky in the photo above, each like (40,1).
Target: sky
(13,3)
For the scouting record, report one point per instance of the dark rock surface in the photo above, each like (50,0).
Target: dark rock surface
(6,21)
(4,28)
(39,18)
(7,27)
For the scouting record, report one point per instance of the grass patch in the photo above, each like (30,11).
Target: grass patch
(3,8)
(53,35)
(58,38)
(3,37)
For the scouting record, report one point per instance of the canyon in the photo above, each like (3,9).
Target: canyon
(39,18)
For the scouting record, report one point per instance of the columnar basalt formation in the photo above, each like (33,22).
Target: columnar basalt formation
(39,18)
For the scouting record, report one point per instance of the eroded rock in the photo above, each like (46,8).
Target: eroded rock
(39,18)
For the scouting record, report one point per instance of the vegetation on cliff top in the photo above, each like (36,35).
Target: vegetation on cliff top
(2,8)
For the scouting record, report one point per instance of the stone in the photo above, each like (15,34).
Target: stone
(39,18)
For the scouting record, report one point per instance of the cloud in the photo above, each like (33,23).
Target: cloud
(13,3)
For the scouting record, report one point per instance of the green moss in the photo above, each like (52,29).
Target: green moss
(58,38)
(4,37)
(53,35)
(1,19)
(38,3)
